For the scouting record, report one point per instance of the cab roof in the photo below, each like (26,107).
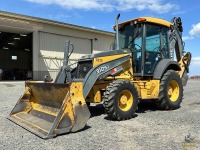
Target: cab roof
(150,20)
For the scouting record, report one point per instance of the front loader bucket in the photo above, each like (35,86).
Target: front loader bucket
(48,109)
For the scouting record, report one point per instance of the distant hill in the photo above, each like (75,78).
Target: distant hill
(195,77)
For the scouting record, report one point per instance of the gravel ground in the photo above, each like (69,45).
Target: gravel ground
(150,129)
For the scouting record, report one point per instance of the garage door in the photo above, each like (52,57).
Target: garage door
(52,52)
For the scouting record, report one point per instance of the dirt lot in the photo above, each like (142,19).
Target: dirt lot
(150,129)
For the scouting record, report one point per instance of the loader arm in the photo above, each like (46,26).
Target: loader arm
(100,72)
(65,71)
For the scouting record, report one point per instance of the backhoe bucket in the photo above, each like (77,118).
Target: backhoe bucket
(48,109)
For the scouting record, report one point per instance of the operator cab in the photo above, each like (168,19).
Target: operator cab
(148,41)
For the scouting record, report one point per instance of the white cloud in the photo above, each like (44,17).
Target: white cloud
(196,60)
(193,68)
(77,4)
(152,5)
(194,32)
(157,6)
(187,38)
(195,29)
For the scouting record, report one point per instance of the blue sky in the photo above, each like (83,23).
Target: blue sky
(101,14)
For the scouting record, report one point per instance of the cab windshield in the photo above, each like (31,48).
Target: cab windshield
(130,36)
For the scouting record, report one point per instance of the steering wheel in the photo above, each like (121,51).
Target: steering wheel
(156,49)
(134,48)
(138,46)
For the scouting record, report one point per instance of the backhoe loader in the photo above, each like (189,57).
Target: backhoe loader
(147,61)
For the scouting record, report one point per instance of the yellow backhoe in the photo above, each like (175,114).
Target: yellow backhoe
(148,61)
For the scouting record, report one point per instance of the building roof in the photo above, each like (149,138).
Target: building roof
(48,21)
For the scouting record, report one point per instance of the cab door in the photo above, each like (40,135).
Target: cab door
(156,47)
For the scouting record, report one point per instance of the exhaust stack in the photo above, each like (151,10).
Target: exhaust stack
(117,31)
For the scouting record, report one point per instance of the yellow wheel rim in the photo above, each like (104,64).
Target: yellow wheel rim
(173,91)
(125,100)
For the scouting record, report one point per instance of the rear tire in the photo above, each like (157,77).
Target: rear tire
(120,100)
(171,91)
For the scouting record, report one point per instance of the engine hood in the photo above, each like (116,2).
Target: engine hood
(108,53)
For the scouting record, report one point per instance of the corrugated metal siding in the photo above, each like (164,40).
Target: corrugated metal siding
(51,52)
(102,43)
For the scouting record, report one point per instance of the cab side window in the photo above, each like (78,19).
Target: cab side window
(153,38)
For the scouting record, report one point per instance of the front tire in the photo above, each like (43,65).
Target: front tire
(171,91)
(120,100)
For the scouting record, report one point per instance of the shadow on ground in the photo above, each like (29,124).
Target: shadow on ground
(146,106)
(96,110)
(143,107)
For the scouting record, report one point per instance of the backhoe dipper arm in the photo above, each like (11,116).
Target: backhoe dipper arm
(176,44)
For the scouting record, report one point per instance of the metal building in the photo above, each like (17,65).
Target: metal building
(32,47)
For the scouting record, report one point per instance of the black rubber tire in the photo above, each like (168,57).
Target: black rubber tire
(111,100)
(88,104)
(163,101)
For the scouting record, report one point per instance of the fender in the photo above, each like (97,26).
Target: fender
(99,72)
(163,65)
